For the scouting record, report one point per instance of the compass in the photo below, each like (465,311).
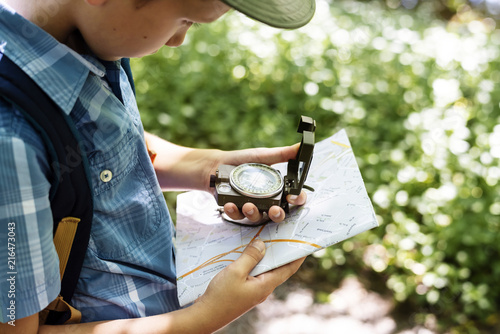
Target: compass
(256,180)
(263,185)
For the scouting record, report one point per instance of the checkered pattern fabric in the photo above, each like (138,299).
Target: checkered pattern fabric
(129,267)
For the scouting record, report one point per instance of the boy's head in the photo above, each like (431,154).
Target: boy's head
(113,29)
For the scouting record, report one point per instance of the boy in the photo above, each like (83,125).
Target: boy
(71,49)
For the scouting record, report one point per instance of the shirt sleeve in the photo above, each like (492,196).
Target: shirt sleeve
(29,266)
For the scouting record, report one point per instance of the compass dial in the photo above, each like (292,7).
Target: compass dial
(256,180)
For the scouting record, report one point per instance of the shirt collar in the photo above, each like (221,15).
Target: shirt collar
(57,69)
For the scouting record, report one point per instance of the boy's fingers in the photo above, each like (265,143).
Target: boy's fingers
(281,274)
(248,210)
(276,214)
(232,211)
(297,200)
(269,156)
(252,255)
(251,212)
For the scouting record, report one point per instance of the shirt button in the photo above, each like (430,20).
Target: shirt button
(106,175)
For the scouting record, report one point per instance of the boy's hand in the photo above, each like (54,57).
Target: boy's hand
(267,156)
(232,292)
(183,168)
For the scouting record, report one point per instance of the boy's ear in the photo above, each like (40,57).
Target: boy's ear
(96,2)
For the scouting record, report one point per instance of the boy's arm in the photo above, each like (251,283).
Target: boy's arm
(230,294)
(183,168)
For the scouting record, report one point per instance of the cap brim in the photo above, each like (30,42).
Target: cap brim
(288,14)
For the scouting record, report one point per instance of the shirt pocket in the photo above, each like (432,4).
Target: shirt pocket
(127,211)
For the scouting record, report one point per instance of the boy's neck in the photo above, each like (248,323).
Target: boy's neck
(53,17)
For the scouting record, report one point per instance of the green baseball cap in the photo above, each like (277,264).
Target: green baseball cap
(288,14)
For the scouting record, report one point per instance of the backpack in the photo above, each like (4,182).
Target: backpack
(70,196)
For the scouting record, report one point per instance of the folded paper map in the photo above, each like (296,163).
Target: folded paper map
(338,209)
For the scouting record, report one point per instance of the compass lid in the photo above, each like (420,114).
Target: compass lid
(288,14)
(298,168)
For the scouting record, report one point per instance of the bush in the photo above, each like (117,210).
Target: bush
(418,97)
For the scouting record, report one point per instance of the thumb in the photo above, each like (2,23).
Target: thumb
(252,255)
(275,155)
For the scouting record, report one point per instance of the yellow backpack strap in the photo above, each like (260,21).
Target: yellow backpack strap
(63,241)
(58,305)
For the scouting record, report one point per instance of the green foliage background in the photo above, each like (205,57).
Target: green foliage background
(419,98)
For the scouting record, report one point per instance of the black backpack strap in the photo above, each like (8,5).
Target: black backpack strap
(71,194)
(125,62)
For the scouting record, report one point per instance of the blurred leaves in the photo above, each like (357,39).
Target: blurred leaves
(419,99)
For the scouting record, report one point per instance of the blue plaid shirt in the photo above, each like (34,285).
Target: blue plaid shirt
(129,267)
